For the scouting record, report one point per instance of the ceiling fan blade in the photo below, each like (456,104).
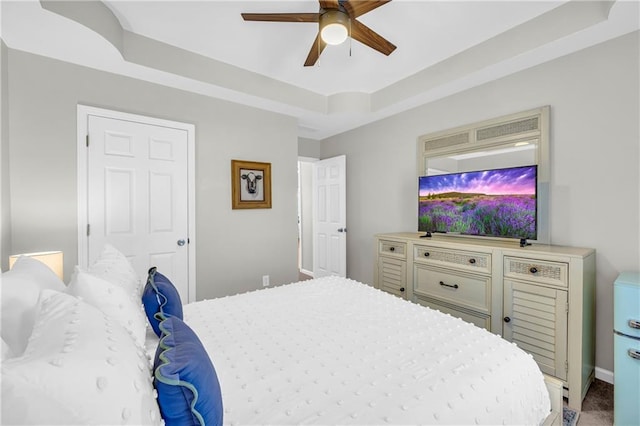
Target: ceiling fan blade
(356,8)
(366,35)
(282,17)
(329,4)
(315,51)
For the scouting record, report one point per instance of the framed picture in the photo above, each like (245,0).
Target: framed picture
(250,185)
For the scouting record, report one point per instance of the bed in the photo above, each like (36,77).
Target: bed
(324,351)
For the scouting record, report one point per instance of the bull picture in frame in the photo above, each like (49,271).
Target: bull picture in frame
(250,185)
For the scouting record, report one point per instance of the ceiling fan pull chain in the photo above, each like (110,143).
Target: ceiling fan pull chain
(350,38)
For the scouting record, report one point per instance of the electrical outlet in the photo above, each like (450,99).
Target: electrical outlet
(265,281)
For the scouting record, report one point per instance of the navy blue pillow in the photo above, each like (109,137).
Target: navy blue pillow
(160,299)
(186,381)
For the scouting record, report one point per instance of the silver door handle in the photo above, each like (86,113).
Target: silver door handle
(634,323)
(634,354)
(342,229)
(181,242)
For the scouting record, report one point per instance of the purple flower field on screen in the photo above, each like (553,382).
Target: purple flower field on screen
(497,215)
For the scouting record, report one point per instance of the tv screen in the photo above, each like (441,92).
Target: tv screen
(497,203)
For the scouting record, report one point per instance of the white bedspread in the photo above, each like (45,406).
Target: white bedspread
(335,351)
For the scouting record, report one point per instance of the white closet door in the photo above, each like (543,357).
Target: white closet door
(137,196)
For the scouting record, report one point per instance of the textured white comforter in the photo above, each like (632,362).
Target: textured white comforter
(335,351)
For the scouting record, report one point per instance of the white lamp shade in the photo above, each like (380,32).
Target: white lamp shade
(333,27)
(53,259)
(334,34)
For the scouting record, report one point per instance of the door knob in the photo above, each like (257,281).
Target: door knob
(181,242)
(342,229)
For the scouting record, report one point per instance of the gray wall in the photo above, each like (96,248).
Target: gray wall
(234,247)
(595,152)
(5,225)
(308,148)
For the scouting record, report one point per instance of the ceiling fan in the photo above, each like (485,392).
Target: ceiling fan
(337,20)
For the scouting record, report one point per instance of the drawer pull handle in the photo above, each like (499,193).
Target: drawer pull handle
(533,270)
(426,254)
(472,261)
(392,249)
(506,319)
(401,289)
(634,354)
(449,285)
(634,324)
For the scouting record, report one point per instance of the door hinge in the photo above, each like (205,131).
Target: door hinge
(87,140)
(88,229)
(567,307)
(566,367)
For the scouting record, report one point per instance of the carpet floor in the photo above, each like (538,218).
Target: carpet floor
(597,407)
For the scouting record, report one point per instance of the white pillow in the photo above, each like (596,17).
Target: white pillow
(114,267)
(81,366)
(22,397)
(20,289)
(112,300)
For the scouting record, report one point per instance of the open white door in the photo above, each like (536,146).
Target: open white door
(330,217)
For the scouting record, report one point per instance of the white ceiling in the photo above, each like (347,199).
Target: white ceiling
(206,47)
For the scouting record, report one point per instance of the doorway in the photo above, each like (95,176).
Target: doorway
(322,217)
(305,217)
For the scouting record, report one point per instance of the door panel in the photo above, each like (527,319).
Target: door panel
(137,195)
(118,200)
(329,217)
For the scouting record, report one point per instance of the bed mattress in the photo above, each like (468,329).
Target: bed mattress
(335,351)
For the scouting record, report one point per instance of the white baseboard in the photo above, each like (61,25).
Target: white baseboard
(604,375)
(304,271)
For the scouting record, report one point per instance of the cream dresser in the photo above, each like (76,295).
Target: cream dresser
(541,297)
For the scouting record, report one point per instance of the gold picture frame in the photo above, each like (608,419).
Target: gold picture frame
(250,185)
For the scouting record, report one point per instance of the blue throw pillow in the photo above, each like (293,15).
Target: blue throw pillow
(160,299)
(186,381)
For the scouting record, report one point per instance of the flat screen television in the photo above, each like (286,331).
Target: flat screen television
(496,203)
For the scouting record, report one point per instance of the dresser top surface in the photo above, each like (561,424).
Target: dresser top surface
(487,243)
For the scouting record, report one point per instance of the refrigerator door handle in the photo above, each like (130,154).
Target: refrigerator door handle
(634,354)
(634,324)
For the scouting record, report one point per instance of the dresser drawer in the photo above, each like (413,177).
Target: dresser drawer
(459,259)
(458,288)
(541,271)
(392,248)
(480,320)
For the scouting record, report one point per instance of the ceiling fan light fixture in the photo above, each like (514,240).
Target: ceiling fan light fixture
(336,21)
(333,27)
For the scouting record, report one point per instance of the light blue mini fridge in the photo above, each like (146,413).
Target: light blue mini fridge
(626,368)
